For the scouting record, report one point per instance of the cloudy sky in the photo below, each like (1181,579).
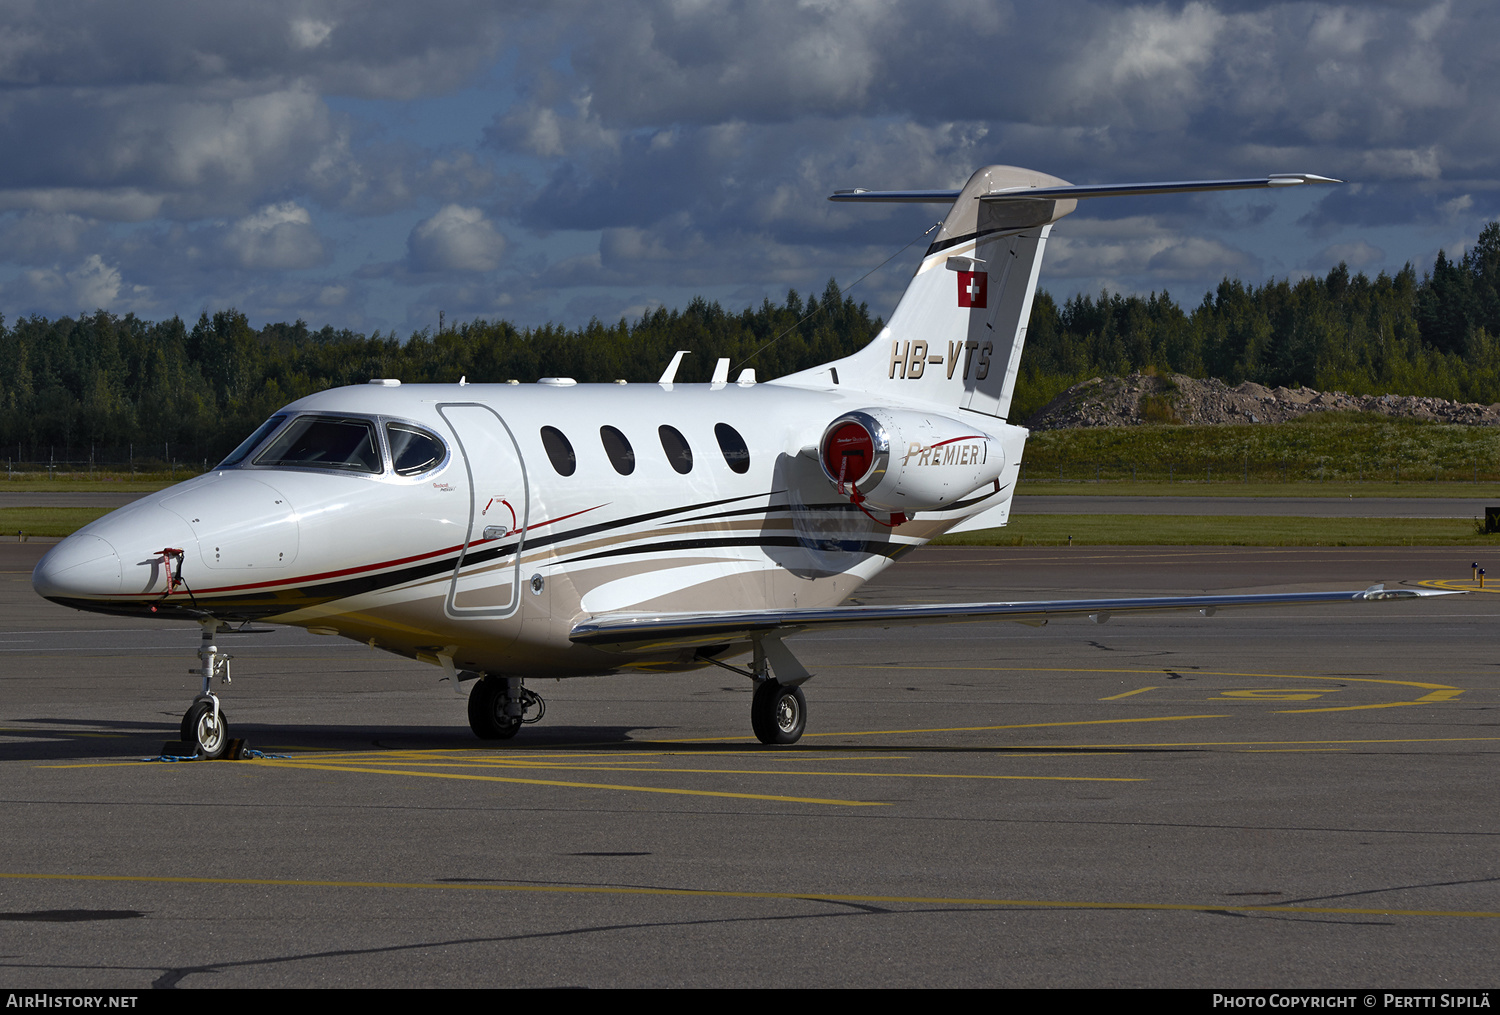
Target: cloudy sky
(366,165)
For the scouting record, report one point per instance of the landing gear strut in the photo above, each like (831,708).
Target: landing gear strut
(205,727)
(498,707)
(778,710)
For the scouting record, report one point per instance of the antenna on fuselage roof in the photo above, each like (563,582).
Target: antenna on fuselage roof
(842,292)
(670,374)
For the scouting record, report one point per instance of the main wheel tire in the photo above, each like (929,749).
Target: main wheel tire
(200,729)
(778,714)
(487,716)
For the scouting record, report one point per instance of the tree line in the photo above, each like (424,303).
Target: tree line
(113,387)
(1438,335)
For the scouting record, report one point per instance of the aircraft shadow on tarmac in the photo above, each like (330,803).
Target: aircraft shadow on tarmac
(54,740)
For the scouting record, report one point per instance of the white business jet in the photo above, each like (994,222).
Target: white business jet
(502,531)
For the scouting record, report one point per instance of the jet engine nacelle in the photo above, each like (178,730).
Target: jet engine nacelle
(904,461)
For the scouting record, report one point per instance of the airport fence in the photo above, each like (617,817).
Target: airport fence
(142,468)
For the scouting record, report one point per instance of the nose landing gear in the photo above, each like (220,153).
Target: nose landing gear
(205,727)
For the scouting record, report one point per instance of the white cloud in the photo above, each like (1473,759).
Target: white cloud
(455,239)
(92,284)
(276,238)
(1098,251)
(310,33)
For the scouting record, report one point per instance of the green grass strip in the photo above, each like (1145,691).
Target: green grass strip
(1481,493)
(46,521)
(1223,530)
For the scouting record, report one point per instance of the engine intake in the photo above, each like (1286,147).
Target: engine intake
(903,461)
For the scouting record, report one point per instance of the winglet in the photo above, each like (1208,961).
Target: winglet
(1381,592)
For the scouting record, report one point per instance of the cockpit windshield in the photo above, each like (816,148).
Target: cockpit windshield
(252,442)
(325,442)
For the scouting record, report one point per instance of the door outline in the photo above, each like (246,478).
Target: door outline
(450,606)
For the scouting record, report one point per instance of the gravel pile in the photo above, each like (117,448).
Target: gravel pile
(1149,398)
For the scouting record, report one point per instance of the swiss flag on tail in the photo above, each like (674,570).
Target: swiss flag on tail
(971,289)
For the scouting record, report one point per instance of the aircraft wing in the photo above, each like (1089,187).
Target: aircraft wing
(642,632)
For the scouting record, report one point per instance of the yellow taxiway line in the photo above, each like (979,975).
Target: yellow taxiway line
(960,729)
(363,770)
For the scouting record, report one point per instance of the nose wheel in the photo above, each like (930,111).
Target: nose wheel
(206,727)
(778,713)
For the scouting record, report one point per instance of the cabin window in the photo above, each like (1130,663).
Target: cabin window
(325,442)
(676,447)
(560,451)
(413,450)
(621,454)
(252,442)
(736,454)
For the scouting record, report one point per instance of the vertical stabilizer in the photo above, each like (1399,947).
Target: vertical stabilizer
(957,335)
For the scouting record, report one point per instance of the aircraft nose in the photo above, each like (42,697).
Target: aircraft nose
(81,565)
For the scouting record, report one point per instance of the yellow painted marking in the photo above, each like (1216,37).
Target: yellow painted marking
(1138,690)
(1295,750)
(1440,696)
(709,893)
(1274,694)
(753,771)
(1452,692)
(1344,708)
(1159,672)
(963,729)
(571,785)
(1458,585)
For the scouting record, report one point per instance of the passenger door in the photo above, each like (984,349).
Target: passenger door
(487,578)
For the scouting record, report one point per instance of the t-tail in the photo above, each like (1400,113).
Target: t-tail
(956,337)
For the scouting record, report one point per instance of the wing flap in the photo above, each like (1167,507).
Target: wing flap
(641,632)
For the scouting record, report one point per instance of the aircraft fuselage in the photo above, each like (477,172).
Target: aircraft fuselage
(491,555)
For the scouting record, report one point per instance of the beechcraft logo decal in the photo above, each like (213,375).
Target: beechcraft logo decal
(971,289)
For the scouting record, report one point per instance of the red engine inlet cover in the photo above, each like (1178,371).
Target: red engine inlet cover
(849,454)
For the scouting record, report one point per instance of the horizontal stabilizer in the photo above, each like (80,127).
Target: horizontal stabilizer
(1083,190)
(644,631)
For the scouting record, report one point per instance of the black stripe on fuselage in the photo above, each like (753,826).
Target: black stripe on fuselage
(255,605)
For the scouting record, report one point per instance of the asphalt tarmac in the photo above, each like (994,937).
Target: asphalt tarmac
(1272,798)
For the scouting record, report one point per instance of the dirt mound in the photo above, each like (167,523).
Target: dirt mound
(1150,398)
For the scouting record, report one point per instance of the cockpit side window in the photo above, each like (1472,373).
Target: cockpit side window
(413,450)
(325,442)
(252,442)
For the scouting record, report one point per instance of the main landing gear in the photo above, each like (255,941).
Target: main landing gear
(778,709)
(499,705)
